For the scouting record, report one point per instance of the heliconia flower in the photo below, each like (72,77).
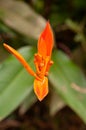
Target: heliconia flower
(42,61)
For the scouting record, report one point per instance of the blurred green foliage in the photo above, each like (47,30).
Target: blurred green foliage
(22,27)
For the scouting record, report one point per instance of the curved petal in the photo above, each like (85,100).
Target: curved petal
(20,58)
(41,88)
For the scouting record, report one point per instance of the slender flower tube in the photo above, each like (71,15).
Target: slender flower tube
(42,61)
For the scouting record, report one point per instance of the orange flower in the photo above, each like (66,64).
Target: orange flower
(42,61)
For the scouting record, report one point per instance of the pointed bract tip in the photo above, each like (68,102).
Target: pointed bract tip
(48,40)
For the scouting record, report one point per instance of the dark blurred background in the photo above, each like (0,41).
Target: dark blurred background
(68,20)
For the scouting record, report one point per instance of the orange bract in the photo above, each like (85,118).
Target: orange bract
(46,41)
(42,61)
(41,88)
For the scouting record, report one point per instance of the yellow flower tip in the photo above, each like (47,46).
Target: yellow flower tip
(41,88)
(9,48)
(5,45)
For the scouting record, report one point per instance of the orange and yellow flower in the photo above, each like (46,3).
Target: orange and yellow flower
(42,61)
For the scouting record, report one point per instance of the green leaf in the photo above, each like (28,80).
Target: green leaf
(56,103)
(15,83)
(27,103)
(21,18)
(64,75)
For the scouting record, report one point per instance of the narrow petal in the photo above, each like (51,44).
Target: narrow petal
(47,36)
(20,58)
(41,88)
